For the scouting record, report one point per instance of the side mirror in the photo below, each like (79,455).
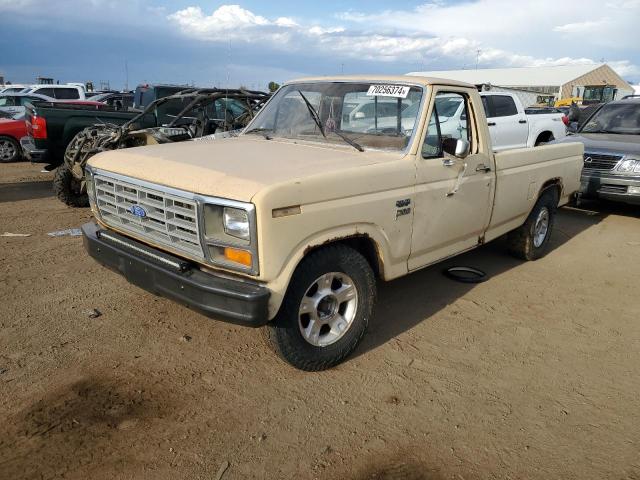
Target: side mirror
(572,127)
(456,146)
(359,115)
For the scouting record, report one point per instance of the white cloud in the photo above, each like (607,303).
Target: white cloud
(431,33)
(580,27)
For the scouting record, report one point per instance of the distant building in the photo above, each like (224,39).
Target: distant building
(593,83)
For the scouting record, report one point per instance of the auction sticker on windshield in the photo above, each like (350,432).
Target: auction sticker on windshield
(397,91)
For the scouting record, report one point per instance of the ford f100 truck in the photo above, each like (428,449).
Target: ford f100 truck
(290,224)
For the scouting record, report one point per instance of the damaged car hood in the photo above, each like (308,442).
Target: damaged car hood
(234,168)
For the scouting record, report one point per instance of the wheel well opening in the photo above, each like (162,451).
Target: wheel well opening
(555,184)
(544,137)
(363,244)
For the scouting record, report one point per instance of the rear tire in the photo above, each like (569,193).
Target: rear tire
(530,241)
(68,189)
(326,310)
(10,150)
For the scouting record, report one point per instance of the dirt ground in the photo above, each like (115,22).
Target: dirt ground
(532,374)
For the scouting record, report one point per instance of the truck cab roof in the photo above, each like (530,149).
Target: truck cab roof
(414,79)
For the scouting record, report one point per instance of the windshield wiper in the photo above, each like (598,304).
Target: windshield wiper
(261,131)
(316,119)
(353,143)
(313,113)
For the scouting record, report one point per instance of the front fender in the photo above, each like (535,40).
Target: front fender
(388,269)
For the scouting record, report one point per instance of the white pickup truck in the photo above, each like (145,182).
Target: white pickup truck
(509,125)
(290,224)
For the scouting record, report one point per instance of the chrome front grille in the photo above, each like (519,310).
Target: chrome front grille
(164,219)
(600,161)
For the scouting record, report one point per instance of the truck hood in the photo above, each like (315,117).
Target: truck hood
(234,168)
(606,143)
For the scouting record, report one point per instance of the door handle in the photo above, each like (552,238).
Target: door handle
(492,124)
(447,162)
(522,121)
(483,168)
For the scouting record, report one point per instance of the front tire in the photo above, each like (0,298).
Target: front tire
(530,241)
(68,189)
(326,310)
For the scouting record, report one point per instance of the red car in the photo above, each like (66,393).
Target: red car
(12,129)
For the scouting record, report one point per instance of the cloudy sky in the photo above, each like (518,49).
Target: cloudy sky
(252,42)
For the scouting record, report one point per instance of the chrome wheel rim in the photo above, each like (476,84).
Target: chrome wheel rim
(7,150)
(328,308)
(541,227)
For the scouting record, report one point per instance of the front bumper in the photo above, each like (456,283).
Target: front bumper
(33,153)
(609,187)
(221,298)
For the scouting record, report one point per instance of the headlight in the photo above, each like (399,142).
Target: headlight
(236,223)
(629,165)
(230,234)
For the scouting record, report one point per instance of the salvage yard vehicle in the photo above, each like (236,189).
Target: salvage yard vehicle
(16,102)
(511,126)
(117,100)
(290,224)
(59,92)
(52,125)
(12,129)
(55,127)
(187,115)
(611,138)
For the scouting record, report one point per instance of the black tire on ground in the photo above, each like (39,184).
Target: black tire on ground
(10,150)
(285,333)
(67,188)
(530,241)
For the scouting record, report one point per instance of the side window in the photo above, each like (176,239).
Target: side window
(67,93)
(45,91)
(25,100)
(449,119)
(7,101)
(503,106)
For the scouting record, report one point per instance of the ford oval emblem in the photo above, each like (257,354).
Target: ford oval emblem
(138,211)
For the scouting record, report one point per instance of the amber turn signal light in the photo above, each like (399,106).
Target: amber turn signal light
(238,256)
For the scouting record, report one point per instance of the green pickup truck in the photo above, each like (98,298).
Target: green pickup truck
(52,126)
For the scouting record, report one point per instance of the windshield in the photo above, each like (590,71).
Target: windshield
(374,115)
(621,118)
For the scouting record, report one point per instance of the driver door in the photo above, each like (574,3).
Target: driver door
(449,220)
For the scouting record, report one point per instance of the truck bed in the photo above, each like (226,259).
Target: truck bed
(521,174)
(63,122)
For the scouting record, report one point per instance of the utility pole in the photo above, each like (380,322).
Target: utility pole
(126,76)
(477,57)
(342,69)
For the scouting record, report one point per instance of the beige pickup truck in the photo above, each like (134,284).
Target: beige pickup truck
(291,224)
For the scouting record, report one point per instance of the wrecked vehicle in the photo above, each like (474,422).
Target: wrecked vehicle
(290,224)
(191,114)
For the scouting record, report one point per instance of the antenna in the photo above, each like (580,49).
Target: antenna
(477,57)
(126,76)
(229,63)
